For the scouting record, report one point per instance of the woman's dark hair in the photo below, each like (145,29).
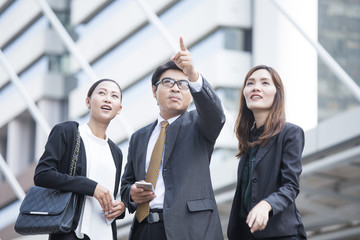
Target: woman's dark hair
(161,69)
(275,121)
(92,88)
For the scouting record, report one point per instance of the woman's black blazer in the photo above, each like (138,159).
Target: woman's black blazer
(53,168)
(275,179)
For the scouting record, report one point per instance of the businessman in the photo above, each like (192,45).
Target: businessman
(173,154)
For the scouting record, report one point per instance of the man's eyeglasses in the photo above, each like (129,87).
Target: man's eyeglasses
(169,83)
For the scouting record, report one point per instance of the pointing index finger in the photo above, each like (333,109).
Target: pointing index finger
(182,44)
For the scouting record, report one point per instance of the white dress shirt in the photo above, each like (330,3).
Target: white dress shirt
(101,168)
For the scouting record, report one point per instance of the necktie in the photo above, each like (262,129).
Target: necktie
(152,174)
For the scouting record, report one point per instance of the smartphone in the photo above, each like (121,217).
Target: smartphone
(145,185)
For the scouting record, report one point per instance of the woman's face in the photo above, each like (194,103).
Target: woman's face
(259,91)
(105,102)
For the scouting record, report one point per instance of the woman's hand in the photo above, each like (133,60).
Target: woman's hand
(117,209)
(104,197)
(258,216)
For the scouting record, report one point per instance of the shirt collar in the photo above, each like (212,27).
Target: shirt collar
(171,120)
(255,133)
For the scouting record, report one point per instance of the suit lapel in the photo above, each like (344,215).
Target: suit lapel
(241,164)
(263,150)
(113,154)
(171,135)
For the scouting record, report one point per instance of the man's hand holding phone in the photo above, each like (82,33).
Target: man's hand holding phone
(141,192)
(145,185)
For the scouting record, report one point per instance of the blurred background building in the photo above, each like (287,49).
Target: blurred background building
(51,51)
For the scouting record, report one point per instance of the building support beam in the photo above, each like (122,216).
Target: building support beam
(325,56)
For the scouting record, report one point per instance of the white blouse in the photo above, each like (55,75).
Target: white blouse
(101,168)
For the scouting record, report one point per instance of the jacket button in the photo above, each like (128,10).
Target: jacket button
(254,180)
(253,200)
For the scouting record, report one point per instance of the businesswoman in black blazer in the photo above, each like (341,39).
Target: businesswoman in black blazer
(98,167)
(270,152)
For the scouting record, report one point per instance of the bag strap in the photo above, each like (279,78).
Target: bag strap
(75,155)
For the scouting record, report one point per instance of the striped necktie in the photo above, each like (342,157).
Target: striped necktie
(152,174)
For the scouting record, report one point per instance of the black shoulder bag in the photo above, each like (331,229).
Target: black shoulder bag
(47,211)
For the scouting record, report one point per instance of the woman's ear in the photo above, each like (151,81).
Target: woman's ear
(119,110)
(87,102)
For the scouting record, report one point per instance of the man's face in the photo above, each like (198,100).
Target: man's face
(172,101)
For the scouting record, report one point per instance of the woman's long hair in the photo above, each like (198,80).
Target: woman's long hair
(275,121)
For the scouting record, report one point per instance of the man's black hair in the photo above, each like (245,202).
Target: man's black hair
(161,69)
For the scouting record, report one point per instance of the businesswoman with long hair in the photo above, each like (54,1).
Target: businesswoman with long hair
(270,152)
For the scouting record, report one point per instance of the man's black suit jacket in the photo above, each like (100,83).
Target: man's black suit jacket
(190,210)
